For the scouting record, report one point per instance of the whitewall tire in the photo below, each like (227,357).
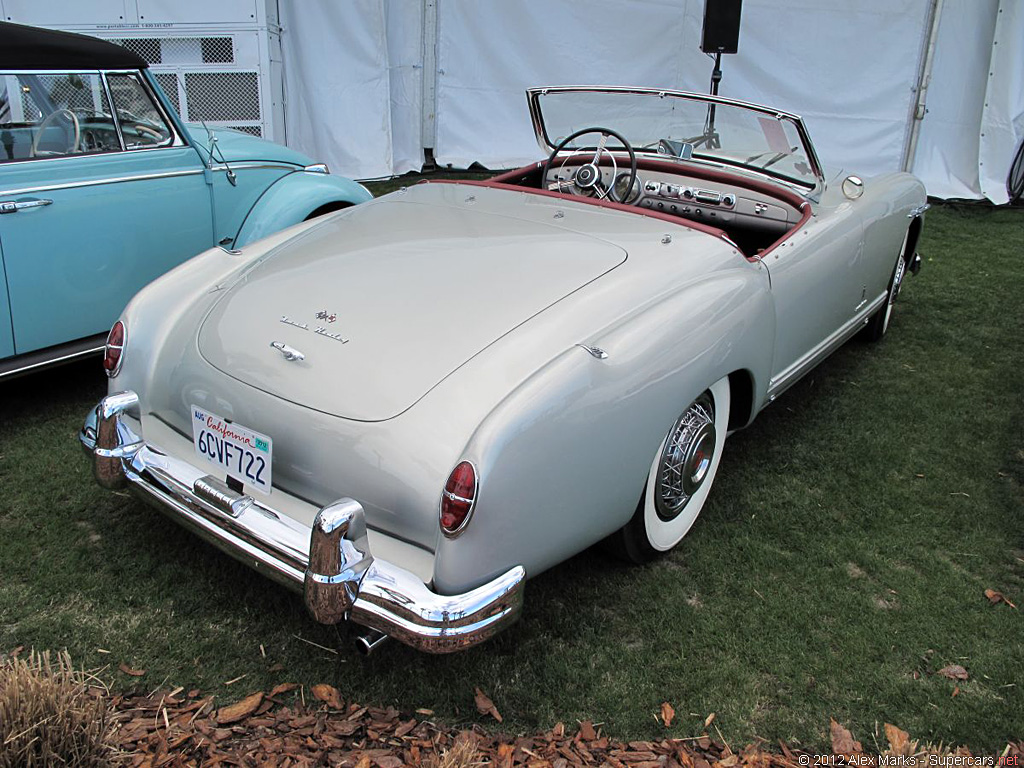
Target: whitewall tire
(680,477)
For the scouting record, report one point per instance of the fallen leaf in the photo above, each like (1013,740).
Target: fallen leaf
(328,694)
(710,719)
(899,740)
(953,672)
(667,713)
(997,597)
(956,691)
(485,706)
(239,710)
(842,740)
(130,670)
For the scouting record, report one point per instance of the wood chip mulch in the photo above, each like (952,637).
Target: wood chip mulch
(289,727)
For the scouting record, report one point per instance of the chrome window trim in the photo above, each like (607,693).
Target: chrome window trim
(533,95)
(178,140)
(113,112)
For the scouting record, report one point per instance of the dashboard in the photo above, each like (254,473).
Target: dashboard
(726,206)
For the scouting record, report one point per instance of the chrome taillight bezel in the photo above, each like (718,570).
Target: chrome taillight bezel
(107,347)
(456,532)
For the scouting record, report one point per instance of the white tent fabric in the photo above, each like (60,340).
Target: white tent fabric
(337,87)
(1002,120)
(799,59)
(947,151)
(355,79)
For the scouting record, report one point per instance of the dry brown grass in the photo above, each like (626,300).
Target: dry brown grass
(463,753)
(48,716)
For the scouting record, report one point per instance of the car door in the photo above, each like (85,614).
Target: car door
(6,334)
(816,283)
(99,194)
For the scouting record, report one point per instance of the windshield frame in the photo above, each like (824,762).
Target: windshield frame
(806,188)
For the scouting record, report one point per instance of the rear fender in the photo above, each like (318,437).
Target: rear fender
(563,459)
(292,198)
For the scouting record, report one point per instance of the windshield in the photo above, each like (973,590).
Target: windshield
(679,125)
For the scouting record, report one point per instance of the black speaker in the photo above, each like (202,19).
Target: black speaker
(721,32)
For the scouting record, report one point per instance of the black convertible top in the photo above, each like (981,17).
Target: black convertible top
(24,47)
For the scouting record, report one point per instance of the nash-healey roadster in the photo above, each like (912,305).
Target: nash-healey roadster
(405,408)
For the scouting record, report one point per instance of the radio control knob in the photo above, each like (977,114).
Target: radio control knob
(729,200)
(688,193)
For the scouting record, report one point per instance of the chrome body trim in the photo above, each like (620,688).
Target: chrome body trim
(915,212)
(331,563)
(805,364)
(64,353)
(99,182)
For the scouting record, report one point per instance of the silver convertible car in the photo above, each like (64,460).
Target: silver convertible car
(406,408)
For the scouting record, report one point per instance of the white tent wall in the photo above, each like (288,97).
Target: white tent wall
(338,103)
(1002,121)
(368,84)
(808,56)
(948,147)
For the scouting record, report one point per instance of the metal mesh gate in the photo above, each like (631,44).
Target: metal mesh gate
(203,80)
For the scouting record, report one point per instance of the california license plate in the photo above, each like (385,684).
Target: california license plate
(241,453)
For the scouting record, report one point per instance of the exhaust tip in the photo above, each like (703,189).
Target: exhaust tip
(370,641)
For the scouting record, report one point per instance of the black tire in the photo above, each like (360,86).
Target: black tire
(679,479)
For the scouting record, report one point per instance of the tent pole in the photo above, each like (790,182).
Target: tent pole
(428,124)
(924,76)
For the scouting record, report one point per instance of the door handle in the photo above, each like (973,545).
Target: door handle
(10,206)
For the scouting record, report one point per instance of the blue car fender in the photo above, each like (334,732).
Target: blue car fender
(293,198)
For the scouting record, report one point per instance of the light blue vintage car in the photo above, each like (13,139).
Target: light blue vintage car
(103,188)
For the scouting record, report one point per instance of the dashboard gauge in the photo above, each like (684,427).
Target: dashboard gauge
(620,191)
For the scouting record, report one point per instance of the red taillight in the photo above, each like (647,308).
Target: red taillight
(114,349)
(458,498)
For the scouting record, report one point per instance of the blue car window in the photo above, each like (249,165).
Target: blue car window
(142,125)
(53,114)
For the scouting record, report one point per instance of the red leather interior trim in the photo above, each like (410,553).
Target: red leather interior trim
(806,208)
(494,184)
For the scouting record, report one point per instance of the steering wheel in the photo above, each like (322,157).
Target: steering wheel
(34,150)
(587,177)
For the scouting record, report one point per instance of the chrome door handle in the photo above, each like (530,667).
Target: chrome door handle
(10,206)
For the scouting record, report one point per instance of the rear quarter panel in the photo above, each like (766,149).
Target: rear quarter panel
(564,458)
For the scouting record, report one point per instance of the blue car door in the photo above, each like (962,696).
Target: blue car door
(99,194)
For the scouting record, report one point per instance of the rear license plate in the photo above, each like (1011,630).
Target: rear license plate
(245,455)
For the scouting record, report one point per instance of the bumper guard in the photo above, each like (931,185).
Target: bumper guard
(330,563)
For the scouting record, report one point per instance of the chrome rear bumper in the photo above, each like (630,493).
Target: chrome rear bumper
(331,562)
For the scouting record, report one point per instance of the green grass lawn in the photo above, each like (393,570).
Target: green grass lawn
(838,565)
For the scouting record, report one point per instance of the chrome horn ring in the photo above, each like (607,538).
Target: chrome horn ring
(686,458)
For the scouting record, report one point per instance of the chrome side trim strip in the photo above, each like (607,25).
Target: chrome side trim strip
(787,378)
(46,362)
(99,182)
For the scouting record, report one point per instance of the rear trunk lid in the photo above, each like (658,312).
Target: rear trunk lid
(385,302)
